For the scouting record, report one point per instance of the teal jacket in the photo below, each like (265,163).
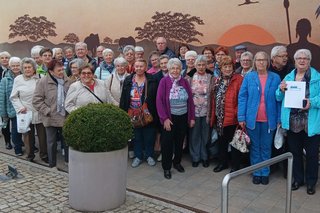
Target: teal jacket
(314,110)
(6,84)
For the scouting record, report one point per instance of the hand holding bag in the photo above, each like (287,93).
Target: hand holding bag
(24,121)
(240,140)
(279,137)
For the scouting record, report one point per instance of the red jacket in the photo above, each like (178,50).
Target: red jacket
(231,102)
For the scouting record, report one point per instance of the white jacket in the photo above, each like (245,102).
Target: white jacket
(22,94)
(78,95)
(114,88)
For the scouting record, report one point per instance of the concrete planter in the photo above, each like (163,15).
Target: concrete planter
(97,181)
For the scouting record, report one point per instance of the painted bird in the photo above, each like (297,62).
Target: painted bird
(248,2)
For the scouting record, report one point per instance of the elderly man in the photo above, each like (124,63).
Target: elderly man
(279,61)
(99,56)
(162,47)
(238,50)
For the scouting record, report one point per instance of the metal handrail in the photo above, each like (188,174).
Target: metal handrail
(230,176)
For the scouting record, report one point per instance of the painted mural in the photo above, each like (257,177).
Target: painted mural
(259,25)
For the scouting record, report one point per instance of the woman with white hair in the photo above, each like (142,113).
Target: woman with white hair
(21,97)
(7,111)
(246,62)
(302,125)
(106,67)
(114,82)
(129,55)
(176,111)
(190,57)
(4,63)
(57,53)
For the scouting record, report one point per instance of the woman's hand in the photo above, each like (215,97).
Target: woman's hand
(307,105)
(23,110)
(242,124)
(191,124)
(167,124)
(283,86)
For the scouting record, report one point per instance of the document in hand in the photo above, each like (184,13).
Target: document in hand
(294,95)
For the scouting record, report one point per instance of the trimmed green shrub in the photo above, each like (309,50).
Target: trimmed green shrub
(97,128)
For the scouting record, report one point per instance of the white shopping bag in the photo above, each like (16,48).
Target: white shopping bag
(24,121)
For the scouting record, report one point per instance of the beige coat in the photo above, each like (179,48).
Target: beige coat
(22,94)
(79,96)
(45,101)
(114,88)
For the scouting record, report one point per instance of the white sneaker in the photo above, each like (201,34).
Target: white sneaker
(131,154)
(136,162)
(159,159)
(150,161)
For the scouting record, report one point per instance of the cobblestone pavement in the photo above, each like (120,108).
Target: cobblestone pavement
(41,189)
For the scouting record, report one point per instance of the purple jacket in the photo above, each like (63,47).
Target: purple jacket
(163,103)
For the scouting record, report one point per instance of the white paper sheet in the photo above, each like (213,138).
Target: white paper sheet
(294,95)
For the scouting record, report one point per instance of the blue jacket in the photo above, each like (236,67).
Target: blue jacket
(249,99)
(6,84)
(314,110)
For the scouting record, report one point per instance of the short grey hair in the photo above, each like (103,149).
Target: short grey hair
(128,48)
(163,56)
(77,61)
(55,50)
(35,50)
(276,50)
(14,60)
(306,52)
(201,58)
(266,56)
(191,53)
(27,60)
(246,53)
(120,61)
(174,61)
(138,49)
(106,51)
(5,53)
(80,44)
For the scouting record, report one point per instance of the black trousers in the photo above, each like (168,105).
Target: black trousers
(173,141)
(223,142)
(297,142)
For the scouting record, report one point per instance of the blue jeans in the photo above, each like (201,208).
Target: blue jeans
(261,145)
(15,136)
(144,138)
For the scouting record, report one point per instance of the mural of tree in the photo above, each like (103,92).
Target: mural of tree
(71,38)
(107,40)
(176,27)
(32,28)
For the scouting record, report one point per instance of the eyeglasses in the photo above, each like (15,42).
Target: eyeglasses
(86,73)
(282,56)
(246,60)
(261,60)
(302,59)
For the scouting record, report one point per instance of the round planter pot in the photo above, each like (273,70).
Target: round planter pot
(97,181)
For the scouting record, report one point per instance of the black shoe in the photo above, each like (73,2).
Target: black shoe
(178,167)
(265,180)
(295,186)
(256,180)
(30,159)
(195,164)
(167,174)
(311,189)
(220,167)
(35,149)
(205,163)
(8,146)
(46,160)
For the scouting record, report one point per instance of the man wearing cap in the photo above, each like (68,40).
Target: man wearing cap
(238,50)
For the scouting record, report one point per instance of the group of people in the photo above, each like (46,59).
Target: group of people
(189,95)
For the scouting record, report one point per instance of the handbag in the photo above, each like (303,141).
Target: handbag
(240,140)
(23,121)
(141,116)
(279,137)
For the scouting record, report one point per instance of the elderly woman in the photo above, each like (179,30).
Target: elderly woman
(138,88)
(114,82)
(199,134)
(219,53)
(21,98)
(246,63)
(176,110)
(222,113)
(87,90)
(7,111)
(259,112)
(303,124)
(128,54)
(75,66)
(48,100)
(106,67)
(190,57)
(57,53)
(154,59)
(183,48)
(209,53)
